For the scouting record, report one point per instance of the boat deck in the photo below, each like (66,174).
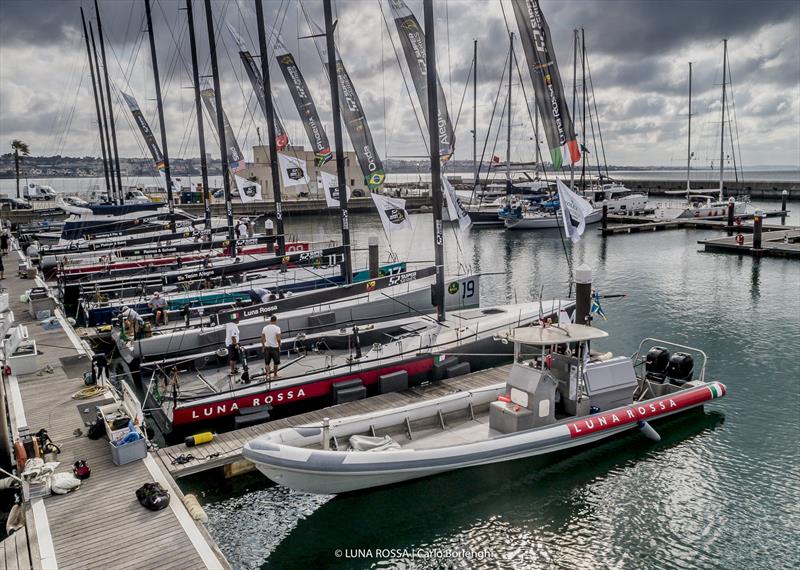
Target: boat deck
(226,449)
(101,524)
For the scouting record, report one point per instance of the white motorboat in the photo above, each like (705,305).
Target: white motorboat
(558,395)
(617,198)
(538,219)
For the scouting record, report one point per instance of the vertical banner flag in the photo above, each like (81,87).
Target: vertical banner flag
(249,191)
(574,210)
(235,157)
(355,121)
(304,103)
(550,99)
(293,170)
(454,206)
(257,82)
(329,184)
(147,133)
(394,216)
(412,38)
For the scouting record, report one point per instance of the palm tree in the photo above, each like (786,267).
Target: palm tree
(19,148)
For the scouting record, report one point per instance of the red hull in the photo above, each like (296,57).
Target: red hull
(186,413)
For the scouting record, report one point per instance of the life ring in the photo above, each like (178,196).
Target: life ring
(739,240)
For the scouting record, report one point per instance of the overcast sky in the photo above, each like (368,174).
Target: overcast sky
(637,50)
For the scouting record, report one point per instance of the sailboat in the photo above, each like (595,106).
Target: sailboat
(702,203)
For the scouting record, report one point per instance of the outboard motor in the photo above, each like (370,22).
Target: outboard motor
(656,362)
(680,369)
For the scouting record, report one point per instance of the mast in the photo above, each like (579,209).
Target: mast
(199,111)
(475,112)
(508,120)
(689,145)
(583,114)
(96,103)
(273,147)
(160,104)
(110,104)
(722,123)
(113,190)
(223,149)
(436,171)
(333,78)
(574,95)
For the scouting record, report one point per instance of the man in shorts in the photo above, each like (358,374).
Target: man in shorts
(232,343)
(271,342)
(158,305)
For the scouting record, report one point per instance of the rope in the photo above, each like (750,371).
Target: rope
(89,392)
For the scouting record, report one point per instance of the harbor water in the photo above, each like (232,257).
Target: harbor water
(721,489)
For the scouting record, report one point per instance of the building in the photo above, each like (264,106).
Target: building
(261,171)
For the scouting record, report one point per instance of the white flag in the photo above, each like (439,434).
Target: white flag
(329,184)
(393,212)
(574,210)
(249,191)
(454,206)
(293,170)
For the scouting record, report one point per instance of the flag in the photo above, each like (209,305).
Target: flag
(495,159)
(249,191)
(596,309)
(574,210)
(394,216)
(293,170)
(329,184)
(454,206)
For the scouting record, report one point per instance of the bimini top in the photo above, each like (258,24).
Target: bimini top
(555,334)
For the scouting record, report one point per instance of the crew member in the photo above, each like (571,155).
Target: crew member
(271,343)
(158,305)
(232,342)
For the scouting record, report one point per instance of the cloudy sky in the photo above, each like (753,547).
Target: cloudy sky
(637,50)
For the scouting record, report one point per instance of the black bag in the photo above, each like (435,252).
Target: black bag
(153,496)
(97,430)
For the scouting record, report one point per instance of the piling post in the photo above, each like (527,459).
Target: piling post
(605,218)
(784,196)
(583,295)
(731,211)
(758,220)
(374,262)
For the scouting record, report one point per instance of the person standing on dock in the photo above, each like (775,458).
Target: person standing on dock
(271,343)
(232,342)
(4,242)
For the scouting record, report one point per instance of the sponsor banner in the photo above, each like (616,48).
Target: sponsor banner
(249,191)
(412,38)
(293,170)
(235,157)
(329,184)
(574,210)
(392,211)
(454,206)
(550,98)
(144,128)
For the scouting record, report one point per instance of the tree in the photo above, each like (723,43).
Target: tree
(19,148)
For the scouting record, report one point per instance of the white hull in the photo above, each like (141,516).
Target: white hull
(540,222)
(715,209)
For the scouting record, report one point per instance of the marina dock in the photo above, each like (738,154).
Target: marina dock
(772,244)
(100,524)
(637,224)
(226,449)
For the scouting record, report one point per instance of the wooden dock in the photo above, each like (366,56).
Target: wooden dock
(636,224)
(772,244)
(226,449)
(101,524)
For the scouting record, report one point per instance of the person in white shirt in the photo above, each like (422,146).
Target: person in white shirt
(241,230)
(158,305)
(131,321)
(262,294)
(271,343)
(232,342)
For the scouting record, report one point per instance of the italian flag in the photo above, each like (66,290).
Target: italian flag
(569,150)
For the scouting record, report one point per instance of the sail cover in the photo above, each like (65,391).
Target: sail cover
(412,38)
(147,133)
(550,99)
(235,157)
(257,82)
(304,103)
(355,121)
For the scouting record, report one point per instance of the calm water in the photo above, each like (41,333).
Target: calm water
(722,489)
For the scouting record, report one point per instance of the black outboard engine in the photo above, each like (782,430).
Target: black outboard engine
(656,362)
(680,369)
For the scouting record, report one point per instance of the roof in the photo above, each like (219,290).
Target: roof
(555,334)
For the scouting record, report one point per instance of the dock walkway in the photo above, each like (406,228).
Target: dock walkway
(101,524)
(771,244)
(226,449)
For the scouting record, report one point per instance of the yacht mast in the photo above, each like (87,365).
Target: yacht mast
(270,109)
(722,123)
(161,124)
(341,180)
(119,197)
(583,114)
(574,95)
(475,113)
(436,172)
(689,145)
(199,111)
(508,120)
